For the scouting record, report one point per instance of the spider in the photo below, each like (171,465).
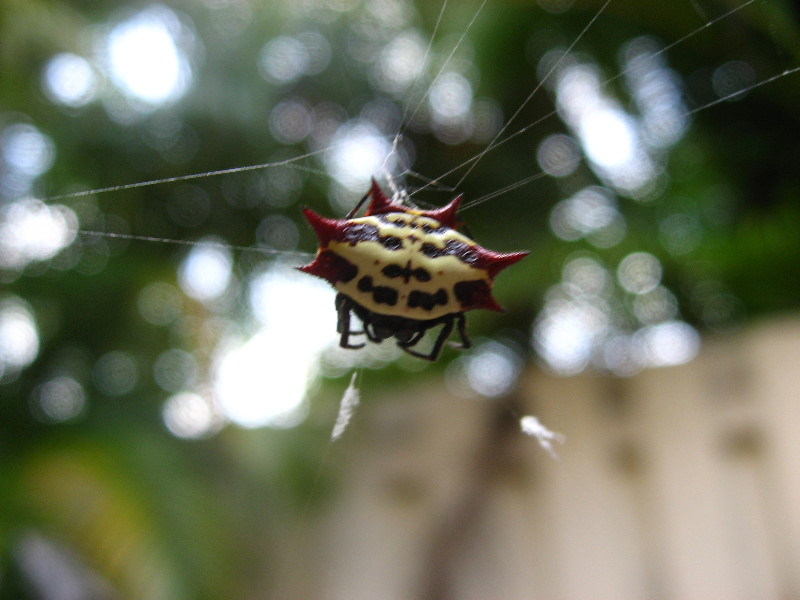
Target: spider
(403,271)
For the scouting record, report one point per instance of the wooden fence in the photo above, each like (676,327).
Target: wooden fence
(679,483)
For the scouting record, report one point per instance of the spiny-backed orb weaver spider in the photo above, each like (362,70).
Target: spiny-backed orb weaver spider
(403,271)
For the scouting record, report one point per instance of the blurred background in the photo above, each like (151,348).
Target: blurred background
(169,383)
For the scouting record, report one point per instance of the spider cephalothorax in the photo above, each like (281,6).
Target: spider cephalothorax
(403,271)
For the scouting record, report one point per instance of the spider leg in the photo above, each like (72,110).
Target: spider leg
(437,345)
(358,206)
(461,325)
(343,323)
(369,329)
(343,310)
(414,339)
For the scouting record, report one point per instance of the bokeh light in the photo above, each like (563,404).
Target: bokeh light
(621,355)
(284,184)
(59,400)
(609,138)
(115,373)
(358,152)
(278,232)
(206,272)
(283,59)
(450,97)
(26,150)
(401,62)
(588,322)
(624,150)
(487,120)
(558,155)
(159,303)
(492,369)
(657,93)
(287,58)
(69,79)
(19,336)
(176,370)
(732,77)
(146,56)
(591,213)
(190,416)
(290,121)
(669,344)
(263,380)
(318,51)
(585,275)
(655,306)
(639,272)
(450,100)
(569,329)
(31,230)
(26,153)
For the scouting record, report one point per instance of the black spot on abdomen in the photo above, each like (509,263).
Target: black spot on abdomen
(381,294)
(391,242)
(424,300)
(361,232)
(422,275)
(384,295)
(431,250)
(393,271)
(461,250)
(336,268)
(435,230)
(365,283)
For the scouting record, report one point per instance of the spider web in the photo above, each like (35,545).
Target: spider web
(501,137)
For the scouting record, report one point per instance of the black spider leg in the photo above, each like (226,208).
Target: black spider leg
(358,206)
(461,326)
(343,323)
(414,339)
(438,344)
(369,329)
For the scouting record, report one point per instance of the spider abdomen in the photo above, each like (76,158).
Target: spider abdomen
(403,270)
